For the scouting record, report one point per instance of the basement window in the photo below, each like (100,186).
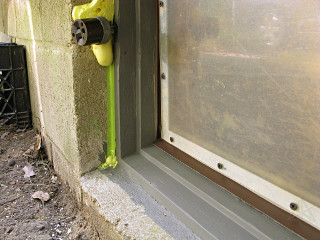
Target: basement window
(240,94)
(232,107)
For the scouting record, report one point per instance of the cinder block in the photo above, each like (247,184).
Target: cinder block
(67,173)
(4,16)
(56,21)
(68,88)
(54,75)
(11,18)
(28,19)
(90,87)
(50,76)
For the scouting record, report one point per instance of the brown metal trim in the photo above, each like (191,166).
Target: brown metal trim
(158,73)
(284,218)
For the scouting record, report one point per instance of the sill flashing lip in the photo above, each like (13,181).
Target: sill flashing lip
(180,189)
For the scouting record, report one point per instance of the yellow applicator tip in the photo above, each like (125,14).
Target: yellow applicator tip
(111,161)
(103,53)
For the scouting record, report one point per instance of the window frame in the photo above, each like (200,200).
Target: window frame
(136,92)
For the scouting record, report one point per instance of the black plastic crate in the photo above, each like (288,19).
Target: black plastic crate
(14,93)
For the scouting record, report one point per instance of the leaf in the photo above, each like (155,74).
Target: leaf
(43,196)
(38,142)
(3,136)
(28,170)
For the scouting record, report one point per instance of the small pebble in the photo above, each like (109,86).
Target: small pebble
(11,162)
(41,227)
(9,230)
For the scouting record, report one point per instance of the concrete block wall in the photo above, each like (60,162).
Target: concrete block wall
(67,85)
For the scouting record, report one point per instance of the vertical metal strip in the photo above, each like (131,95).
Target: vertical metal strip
(138,75)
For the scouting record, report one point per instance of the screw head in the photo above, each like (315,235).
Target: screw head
(161,3)
(220,165)
(293,206)
(163,76)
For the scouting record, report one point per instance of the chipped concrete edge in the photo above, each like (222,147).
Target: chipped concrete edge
(111,205)
(105,229)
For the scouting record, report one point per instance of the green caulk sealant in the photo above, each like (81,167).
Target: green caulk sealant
(111,160)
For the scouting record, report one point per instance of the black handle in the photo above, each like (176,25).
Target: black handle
(89,31)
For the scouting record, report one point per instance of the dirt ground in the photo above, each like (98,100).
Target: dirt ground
(21,215)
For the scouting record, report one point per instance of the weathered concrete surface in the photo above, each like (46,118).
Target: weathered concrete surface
(131,211)
(126,216)
(90,88)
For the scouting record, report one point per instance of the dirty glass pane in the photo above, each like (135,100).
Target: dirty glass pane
(244,83)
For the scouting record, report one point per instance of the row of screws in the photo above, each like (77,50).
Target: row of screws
(293,205)
(219,165)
